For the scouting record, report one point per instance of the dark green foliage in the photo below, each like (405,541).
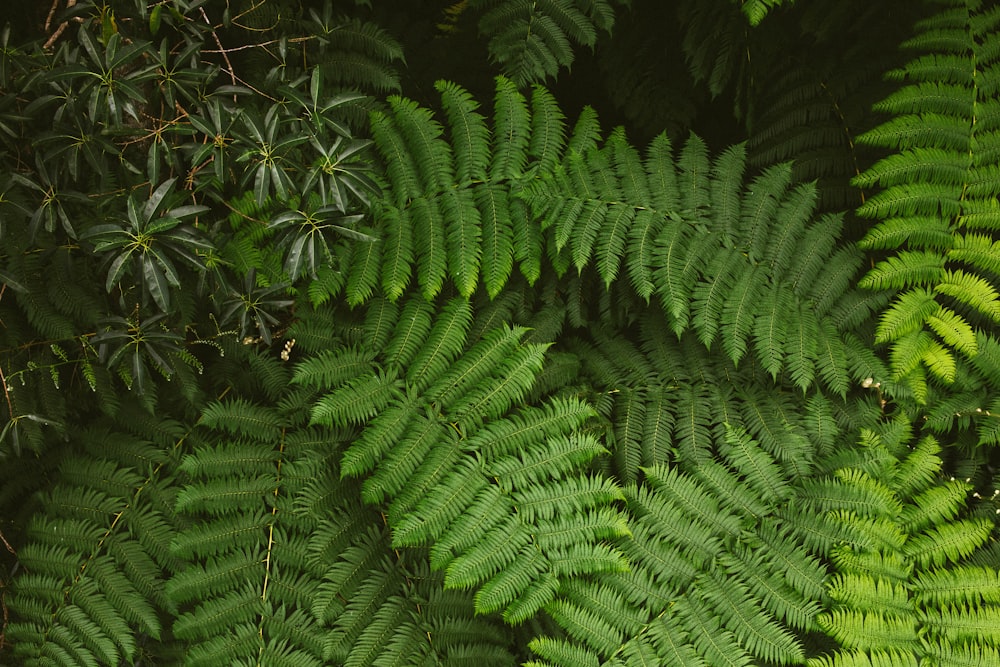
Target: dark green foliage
(295,376)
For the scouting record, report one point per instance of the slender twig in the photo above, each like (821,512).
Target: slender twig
(222,50)
(62,26)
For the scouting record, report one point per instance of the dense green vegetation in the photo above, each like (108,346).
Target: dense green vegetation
(546,332)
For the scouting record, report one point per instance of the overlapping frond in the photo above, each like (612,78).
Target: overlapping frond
(95,569)
(890,603)
(935,194)
(533,41)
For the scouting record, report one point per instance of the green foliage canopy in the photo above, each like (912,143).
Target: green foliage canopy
(312,355)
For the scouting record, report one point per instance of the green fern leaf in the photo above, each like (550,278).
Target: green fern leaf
(491,400)
(972,290)
(583,236)
(363,272)
(907,315)
(916,166)
(757,468)
(401,168)
(905,269)
(715,643)
(327,370)
(462,228)
(916,232)
(976,250)
(712,293)
(439,508)
(954,331)
(687,494)
(612,240)
(640,251)
(586,133)
(497,241)
(441,345)
(693,177)
(240,417)
(753,627)
(963,585)
(727,182)
(760,208)
(558,456)
(866,593)
(411,331)
(948,542)
(680,255)
(404,457)
(376,440)
(429,243)
(867,658)
(511,583)
(979,625)
(561,652)
(800,348)
(739,311)
(511,132)
(935,505)
(872,630)
(548,129)
(928,130)
(356,401)
(813,256)
(470,137)
(397,260)
(529,425)
(576,494)
(769,328)
(476,365)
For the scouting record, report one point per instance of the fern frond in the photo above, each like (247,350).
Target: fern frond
(405,457)
(739,311)
(397,256)
(548,130)
(694,500)
(761,206)
(490,400)
(511,132)
(356,401)
(710,295)
(972,290)
(962,585)
(469,133)
(888,657)
(411,330)
(948,542)
(906,269)
(561,652)
(329,369)
(978,625)
(716,643)
(363,273)
(532,41)
(754,628)
(441,506)
(441,345)
(906,315)
(377,439)
(875,629)
(758,469)
(462,229)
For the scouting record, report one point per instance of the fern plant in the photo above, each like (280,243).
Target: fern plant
(908,589)
(477,380)
(935,208)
